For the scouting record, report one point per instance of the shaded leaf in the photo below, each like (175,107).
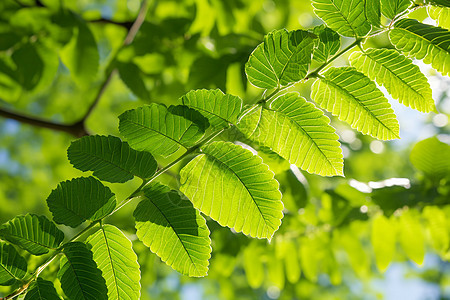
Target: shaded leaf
(327,44)
(298,132)
(29,66)
(383,239)
(36,234)
(13,267)
(281,59)
(114,255)
(79,276)
(422,41)
(131,75)
(174,230)
(432,157)
(355,99)
(401,78)
(41,290)
(80,199)
(233,186)
(391,8)
(110,159)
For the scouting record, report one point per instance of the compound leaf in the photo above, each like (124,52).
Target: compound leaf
(282,58)
(298,132)
(173,229)
(391,8)
(155,129)
(355,99)
(347,17)
(111,159)
(79,276)
(233,186)
(80,199)
(327,44)
(401,78)
(422,41)
(220,109)
(114,255)
(13,267)
(36,234)
(41,290)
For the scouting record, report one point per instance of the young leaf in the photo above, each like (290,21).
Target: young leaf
(79,276)
(80,199)
(36,234)
(355,99)
(114,255)
(174,230)
(153,128)
(111,159)
(347,17)
(422,41)
(441,15)
(391,8)
(233,186)
(131,75)
(298,132)
(372,9)
(327,44)
(383,239)
(401,78)
(281,59)
(411,236)
(220,109)
(41,290)
(13,267)
(432,157)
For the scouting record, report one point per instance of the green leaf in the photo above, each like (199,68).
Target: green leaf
(443,3)
(411,236)
(233,186)
(79,276)
(372,9)
(298,132)
(80,199)
(401,78)
(36,234)
(81,55)
(327,44)
(347,17)
(29,66)
(111,159)
(13,267)
(383,239)
(281,59)
(131,75)
(114,255)
(438,228)
(292,264)
(155,129)
(220,109)
(253,266)
(174,230)
(432,157)
(391,8)
(355,99)
(441,15)
(422,41)
(41,290)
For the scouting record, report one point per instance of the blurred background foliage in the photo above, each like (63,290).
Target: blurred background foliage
(383,231)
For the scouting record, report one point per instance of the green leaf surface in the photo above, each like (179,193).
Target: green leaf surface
(80,199)
(327,44)
(355,99)
(432,157)
(441,15)
(281,59)
(110,159)
(438,228)
(411,236)
(346,17)
(41,290)
(297,131)
(401,78)
(36,234)
(114,255)
(422,41)
(29,66)
(79,276)
(173,229)
(131,75)
(233,186)
(13,267)
(383,239)
(253,266)
(220,109)
(155,129)
(391,8)
(372,10)
(443,3)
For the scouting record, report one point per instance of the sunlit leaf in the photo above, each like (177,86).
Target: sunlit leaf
(391,8)
(291,261)
(41,290)
(372,10)
(13,267)
(411,236)
(111,159)
(80,199)
(36,234)
(253,266)
(432,157)
(355,99)
(438,228)
(383,239)
(114,255)
(232,186)
(327,44)
(174,230)
(441,15)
